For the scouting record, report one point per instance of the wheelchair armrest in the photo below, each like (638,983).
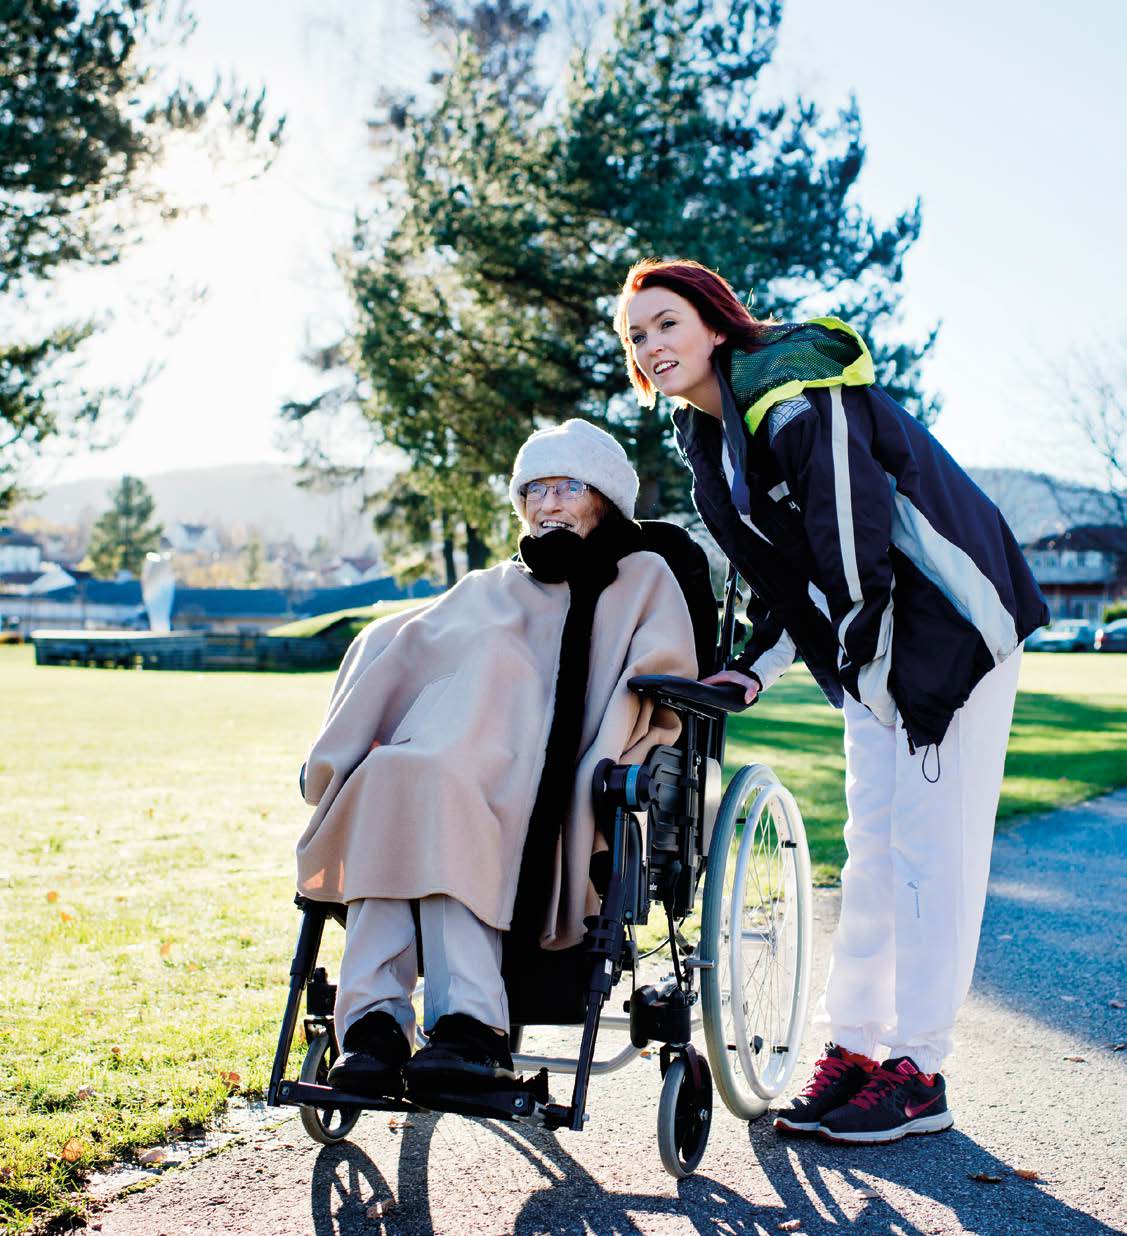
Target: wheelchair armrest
(687,692)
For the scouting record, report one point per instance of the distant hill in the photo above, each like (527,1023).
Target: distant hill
(267,497)
(1036,504)
(264,496)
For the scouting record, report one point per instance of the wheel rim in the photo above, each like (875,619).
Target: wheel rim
(757,931)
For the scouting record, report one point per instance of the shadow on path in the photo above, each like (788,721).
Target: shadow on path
(921,1185)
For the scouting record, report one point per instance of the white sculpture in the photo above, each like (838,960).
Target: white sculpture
(158,584)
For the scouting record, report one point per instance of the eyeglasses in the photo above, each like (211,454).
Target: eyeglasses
(570,490)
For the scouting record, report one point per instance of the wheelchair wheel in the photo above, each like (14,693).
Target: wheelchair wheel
(327,1125)
(684,1118)
(757,929)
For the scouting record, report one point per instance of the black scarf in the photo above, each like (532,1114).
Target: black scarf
(588,565)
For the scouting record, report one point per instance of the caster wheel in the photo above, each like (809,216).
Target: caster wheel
(327,1125)
(684,1117)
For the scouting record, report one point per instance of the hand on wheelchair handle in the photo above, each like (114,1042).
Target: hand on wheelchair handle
(751,687)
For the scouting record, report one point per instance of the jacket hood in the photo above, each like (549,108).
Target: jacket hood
(796,355)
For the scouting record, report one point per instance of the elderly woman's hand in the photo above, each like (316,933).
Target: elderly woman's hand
(750,685)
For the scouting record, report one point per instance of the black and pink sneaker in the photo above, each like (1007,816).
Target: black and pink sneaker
(837,1078)
(897,1101)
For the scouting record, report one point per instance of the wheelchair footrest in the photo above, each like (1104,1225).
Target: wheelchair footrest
(516,1101)
(297,1094)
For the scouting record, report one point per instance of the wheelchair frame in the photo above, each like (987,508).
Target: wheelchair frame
(679,790)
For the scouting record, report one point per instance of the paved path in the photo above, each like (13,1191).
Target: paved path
(1052,959)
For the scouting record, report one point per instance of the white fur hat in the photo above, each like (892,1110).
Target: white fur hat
(580,450)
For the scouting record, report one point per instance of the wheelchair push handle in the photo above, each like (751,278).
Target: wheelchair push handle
(715,699)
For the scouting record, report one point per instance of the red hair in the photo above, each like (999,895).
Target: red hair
(710,294)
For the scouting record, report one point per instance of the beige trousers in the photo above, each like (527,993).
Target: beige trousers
(379,967)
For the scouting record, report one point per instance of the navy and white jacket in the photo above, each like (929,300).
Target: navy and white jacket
(865,545)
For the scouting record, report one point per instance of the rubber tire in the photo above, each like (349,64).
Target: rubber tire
(314,1072)
(745,1097)
(681,1160)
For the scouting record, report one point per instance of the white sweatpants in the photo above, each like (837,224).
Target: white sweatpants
(913,889)
(379,967)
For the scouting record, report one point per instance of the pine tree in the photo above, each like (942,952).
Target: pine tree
(485,310)
(122,537)
(86,119)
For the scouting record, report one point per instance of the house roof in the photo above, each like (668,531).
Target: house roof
(13,536)
(243,602)
(328,600)
(227,602)
(1106,538)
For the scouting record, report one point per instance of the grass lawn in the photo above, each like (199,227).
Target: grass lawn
(148,822)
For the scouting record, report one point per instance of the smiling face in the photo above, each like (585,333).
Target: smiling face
(579,515)
(673,346)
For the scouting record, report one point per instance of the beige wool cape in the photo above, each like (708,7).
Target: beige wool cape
(459,696)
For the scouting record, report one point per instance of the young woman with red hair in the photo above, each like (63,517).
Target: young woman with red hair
(872,554)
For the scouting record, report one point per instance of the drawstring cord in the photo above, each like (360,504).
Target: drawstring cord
(923,763)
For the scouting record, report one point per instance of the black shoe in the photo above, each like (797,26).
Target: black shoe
(895,1103)
(371,1064)
(835,1081)
(463,1054)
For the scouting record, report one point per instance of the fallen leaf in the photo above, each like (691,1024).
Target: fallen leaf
(84,1092)
(52,897)
(165,947)
(115,1051)
(790,1225)
(1116,1004)
(231,1080)
(5,1175)
(395,1123)
(192,967)
(1075,1059)
(985,1177)
(379,1209)
(67,918)
(156,1155)
(867,1193)
(1026,1174)
(73,1150)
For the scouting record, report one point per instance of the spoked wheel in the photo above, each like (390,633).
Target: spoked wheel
(327,1125)
(684,1117)
(757,928)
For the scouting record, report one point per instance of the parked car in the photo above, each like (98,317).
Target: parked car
(1065,635)
(1112,637)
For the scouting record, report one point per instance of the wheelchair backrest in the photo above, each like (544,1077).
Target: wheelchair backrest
(689,563)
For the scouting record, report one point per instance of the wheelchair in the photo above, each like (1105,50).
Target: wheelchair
(728,872)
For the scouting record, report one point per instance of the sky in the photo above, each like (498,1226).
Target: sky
(1003,116)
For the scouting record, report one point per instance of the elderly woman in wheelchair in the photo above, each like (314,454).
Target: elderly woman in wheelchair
(478,784)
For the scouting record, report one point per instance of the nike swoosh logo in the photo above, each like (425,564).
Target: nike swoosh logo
(912,1112)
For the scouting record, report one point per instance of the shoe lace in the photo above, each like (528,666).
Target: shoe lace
(880,1084)
(826,1072)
